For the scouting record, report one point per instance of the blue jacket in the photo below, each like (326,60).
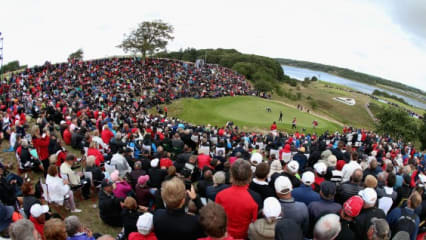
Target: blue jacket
(394,216)
(80,236)
(305,194)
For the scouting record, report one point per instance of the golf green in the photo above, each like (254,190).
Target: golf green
(246,112)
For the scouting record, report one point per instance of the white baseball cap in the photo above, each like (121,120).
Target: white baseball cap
(320,168)
(37,210)
(271,207)
(308,178)
(293,166)
(144,223)
(256,158)
(154,162)
(283,185)
(369,195)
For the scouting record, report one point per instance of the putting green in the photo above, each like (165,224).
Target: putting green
(246,112)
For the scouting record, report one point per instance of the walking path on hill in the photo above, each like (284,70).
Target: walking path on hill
(312,113)
(369,112)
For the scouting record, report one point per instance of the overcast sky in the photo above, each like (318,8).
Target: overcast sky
(386,38)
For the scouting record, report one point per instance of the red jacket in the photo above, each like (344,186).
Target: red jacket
(39,227)
(204,160)
(138,236)
(95,152)
(67,136)
(41,145)
(106,135)
(240,207)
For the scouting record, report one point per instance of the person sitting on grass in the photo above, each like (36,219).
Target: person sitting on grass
(121,187)
(109,205)
(59,190)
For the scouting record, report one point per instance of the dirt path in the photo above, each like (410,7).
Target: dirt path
(312,113)
(369,111)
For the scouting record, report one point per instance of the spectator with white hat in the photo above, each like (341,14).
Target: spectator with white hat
(264,228)
(38,217)
(320,171)
(369,211)
(145,228)
(291,170)
(291,208)
(304,192)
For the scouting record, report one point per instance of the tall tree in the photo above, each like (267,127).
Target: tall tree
(396,123)
(77,55)
(148,38)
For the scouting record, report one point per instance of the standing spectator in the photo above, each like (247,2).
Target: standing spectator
(145,228)
(41,144)
(301,158)
(76,231)
(291,209)
(240,203)
(351,188)
(259,183)
(351,209)
(369,211)
(214,221)
(326,204)
(350,167)
(405,218)
(264,228)
(379,230)
(327,227)
(288,229)
(304,192)
(109,205)
(173,222)
(218,185)
(55,229)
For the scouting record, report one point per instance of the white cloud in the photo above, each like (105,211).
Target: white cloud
(354,34)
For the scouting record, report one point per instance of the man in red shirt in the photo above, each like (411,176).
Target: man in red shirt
(241,204)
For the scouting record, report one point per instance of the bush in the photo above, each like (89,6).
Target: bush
(313,104)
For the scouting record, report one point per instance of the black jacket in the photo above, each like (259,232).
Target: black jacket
(263,190)
(363,221)
(347,190)
(176,224)
(110,209)
(29,201)
(129,219)
(97,174)
(156,177)
(346,233)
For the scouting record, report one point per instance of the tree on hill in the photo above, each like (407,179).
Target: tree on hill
(77,55)
(422,133)
(11,66)
(148,38)
(396,123)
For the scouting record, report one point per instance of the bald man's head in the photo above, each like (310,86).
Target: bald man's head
(357,176)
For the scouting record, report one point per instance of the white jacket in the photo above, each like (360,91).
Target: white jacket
(56,188)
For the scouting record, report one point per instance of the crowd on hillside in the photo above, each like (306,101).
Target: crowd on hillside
(161,178)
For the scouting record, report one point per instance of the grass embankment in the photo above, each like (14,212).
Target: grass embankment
(249,113)
(319,95)
(89,217)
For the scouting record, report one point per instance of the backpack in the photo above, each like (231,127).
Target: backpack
(407,222)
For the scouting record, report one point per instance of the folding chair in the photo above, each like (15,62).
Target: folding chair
(75,188)
(58,207)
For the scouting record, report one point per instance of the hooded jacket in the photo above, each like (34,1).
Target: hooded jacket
(262,230)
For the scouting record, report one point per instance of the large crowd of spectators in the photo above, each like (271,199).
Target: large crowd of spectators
(158,177)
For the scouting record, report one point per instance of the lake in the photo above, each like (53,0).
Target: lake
(300,74)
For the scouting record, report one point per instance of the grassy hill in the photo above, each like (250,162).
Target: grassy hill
(249,113)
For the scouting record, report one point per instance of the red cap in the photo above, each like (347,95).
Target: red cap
(353,206)
(340,164)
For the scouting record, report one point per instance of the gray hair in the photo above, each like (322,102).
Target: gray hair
(219,177)
(24,143)
(72,225)
(90,161)
(22,230)
(380,229)
(327,227)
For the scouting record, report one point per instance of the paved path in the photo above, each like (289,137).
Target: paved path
(369,111)
(312,113)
